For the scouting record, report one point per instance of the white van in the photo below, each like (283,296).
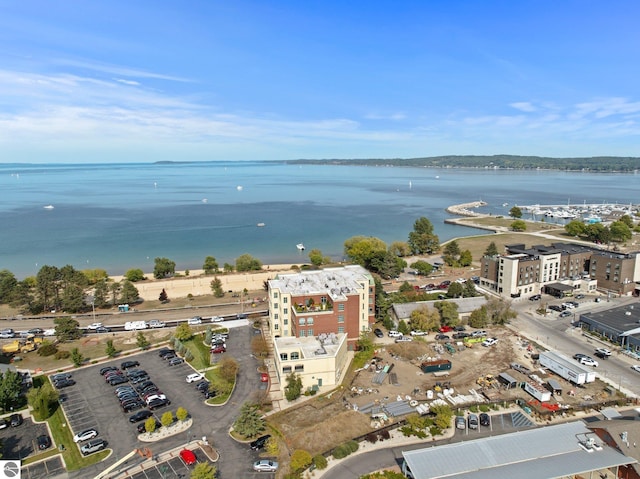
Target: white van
(133,325)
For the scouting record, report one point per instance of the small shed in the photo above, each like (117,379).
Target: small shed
(123,308)
(554,386)
(508,380)
(558,290)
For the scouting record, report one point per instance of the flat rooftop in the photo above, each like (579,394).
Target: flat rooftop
(321,346)
(338,283)
(622,318)
(549,452)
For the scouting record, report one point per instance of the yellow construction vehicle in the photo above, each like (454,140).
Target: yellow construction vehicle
(21,345)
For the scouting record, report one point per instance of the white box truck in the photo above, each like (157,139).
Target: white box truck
(565,368)
(133,325)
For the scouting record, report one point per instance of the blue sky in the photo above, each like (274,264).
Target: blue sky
(112,80)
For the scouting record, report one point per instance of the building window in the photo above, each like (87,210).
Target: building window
(299,368)
(276,326)
(310,321)
(301,321)
(285,300)
(285,321)
(275,316)
(309,332)
(284,356)
(341,307)
(303,333)
(286,370)
(341,318)
(275,295)
(340,329)
(275,305)
(295,355)
(323,299)
(285,311)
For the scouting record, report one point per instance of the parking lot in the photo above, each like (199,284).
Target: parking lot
(20,442)
(500,424)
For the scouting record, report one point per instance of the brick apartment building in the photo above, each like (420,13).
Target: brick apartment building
(526,271)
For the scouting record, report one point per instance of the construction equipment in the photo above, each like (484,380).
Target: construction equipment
(21,345)
(486,381)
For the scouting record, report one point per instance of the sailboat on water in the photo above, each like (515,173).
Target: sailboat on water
(300,247)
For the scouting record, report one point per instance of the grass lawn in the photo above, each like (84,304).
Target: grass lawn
(505,222)
(200,351)
(478,244)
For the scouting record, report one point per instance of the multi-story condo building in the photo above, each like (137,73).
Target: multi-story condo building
(525,271)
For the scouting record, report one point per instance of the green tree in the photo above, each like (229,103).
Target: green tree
(76,357)
(451,253)
(620,231)
(293,389)
(216,287)
(203,470)
(455,290)
(400,248)
(42,399)
(10,387)
(135,275)
(361,249)
(492,250)
(448,312)
(141,341)
(422,267)
(406,287)
(100,294)
(465,258)
(403,327)
(515,212)
(67,329)
(95,275)
(163,268)
(72,299)
(8,285)
(575,228)
(246,262)
(423,240)
(519,225)
(386,264)
(627,220)
(300,460)
(500,312)
(443,415)
(469,289)
(210,265)
(320,462)
(315,256)
(385,474)
(228,268)
(424,319)
(150,425)
(166,419)
(48,286)
(250,422)
(114,288)
(272,447)
(182,414)
(598,232)
(479,318)
(183,332)
(110,349)
(129,293)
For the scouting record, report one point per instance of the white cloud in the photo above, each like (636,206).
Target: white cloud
(523,106)
(127,82)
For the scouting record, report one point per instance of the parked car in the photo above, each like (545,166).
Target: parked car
(217,319)
(16,419)
(141,427)
(478,334)
(260,442)
(95,326)
(587,361)
(485,419)
(579,296)
(603,351)
(61,377)
(103,329)
(417,332)
(218,350)
(4,423)
(597,300)
(264,377)
(107,369)
(175,361)
(44,442)
(441,337)
(85,435)
(194,320)
(129,364)
(636,368)
(154,323)
(555,307)
(535,297)
(140,416)
(394,334)
(490,342)
(520,368)
(460,327)
(600,355)
(378,332)
(472,421)
(445,329)
(36,331)
(265,465)
(165,351)
(188,457)
(65,383)
(404,339)
(565,314)
(460,422)
(7,333)
(192,378)
(158,403)
(460,335)
(92,446)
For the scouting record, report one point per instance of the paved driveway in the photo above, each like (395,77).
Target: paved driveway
(20,442)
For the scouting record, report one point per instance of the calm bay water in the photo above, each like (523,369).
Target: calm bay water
(122,216)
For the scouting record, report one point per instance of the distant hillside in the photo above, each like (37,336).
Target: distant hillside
(593,164)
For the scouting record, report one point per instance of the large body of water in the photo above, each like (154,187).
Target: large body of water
(122,216)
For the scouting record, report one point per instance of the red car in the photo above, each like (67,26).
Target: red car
(264,377)
(446,329)
(188,457)
(218,350)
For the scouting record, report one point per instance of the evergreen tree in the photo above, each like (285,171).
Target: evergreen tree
(492,250)
(250,422)
(110,350)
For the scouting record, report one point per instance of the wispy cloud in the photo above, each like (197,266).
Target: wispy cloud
(116,70)
(127,82)
(523,106)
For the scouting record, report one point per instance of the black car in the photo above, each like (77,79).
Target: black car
(555,307)
(601,355)
(535,297)
(260,442)
(202,386)
(132,407)
(129,364)
(60,377)
(164,351)
(65,383)
(35,331)
(209,394)
(460,327)
(115,380)
(44,442)
(142,386)
(16,420)
(168,357)
(103,329)
(378,332)
(485,419)
(140,416)
(108,369)
(442,336)
(460,335)
(158,403)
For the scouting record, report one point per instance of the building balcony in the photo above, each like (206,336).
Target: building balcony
(300,308)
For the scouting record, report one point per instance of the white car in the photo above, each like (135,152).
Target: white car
(636,368)
(95,326)
(194,320)
(217,319)
(49,332)
(154,323)
(192,378)
(587,361)
(265,465)
(417,332)
(490,342)
(395,334)
(85,435)
(404,339)
(603,351)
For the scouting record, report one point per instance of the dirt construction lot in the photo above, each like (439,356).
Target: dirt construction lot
(323,422)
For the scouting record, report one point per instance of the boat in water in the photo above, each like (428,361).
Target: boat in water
(300,246)
(48,207)
(260,225)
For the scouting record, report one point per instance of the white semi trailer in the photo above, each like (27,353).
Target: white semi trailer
(566,368)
